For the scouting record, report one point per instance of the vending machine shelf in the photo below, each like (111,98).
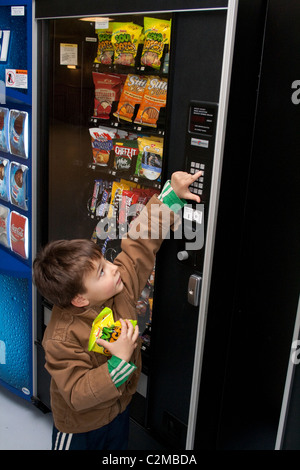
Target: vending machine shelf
(139,68)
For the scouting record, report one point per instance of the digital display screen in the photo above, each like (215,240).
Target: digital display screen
(201,119)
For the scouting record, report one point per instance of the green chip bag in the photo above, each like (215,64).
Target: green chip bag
(106,328)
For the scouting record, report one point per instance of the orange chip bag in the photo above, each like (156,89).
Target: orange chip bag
(154,98)
(131,95)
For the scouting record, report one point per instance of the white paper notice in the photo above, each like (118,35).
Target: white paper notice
(68,54)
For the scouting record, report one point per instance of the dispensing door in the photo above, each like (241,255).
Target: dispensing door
(201,64)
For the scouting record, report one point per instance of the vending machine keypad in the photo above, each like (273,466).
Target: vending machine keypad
(199,146)
(197,186)
(199,155)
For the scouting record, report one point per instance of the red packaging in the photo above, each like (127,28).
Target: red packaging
(107,90)
(19,234)
(129,198)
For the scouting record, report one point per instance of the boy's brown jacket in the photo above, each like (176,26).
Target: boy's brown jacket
(83,396)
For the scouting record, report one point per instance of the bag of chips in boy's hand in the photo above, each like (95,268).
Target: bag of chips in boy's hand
(106,328)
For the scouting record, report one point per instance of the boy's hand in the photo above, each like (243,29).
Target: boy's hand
(180,182)
(124,346)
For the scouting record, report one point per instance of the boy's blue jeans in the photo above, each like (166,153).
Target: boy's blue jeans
(112,436)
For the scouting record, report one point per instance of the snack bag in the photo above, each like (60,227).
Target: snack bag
(125,39)
(132,94)
(129,198)
(149,161)
(98,184)
(103,206)
(102,144)
(116,195)
(154,98)
(106,328)
(107,90)
(105,50)
(124,152)
(157,34)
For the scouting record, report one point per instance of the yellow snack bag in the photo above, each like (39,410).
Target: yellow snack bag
(116,194)
(105,49)
(149,161)
(125,39)
(106,328)
(157,34)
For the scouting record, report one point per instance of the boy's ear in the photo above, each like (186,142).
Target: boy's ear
(80,301)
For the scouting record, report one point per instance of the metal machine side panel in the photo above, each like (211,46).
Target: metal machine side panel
(216,177)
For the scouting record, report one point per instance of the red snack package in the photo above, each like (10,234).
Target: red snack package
(107,90)
(129,198)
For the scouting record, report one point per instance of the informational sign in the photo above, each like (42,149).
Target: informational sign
(16,78)
(68,54)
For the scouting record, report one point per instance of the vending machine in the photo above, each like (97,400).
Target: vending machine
(16,199)
(127,95)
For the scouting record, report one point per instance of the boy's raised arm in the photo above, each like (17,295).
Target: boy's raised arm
(149,229)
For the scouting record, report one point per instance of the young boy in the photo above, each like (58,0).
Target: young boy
(90,392)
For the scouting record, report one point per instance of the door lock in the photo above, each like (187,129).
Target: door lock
(194,289)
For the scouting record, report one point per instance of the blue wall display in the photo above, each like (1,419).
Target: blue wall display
(16,338)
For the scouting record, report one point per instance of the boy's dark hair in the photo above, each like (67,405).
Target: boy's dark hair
(60,267)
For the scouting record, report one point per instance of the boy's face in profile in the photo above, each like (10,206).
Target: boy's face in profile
(101,284)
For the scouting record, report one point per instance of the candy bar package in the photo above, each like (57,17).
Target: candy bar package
(116,195)
(149,161)
(131,204)
(107,90)
(102,144)
(131,96)
(18,133)
(124,152)
(154,98)
(4,124)
(125,39)
(105,49)
(4,179)
(4,226)
(99,203)
(19,234)
(129,198)
(18,185)
(156,35)
(96,193)
(106,328)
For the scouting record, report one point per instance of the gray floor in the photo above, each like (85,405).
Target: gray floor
(22,426)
